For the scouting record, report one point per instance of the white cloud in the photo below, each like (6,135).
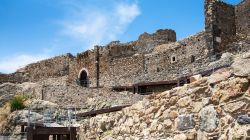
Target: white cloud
(94,26)
(127,12)
(12,63)
(88,24)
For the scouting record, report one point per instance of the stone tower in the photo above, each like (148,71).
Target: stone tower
(219,25)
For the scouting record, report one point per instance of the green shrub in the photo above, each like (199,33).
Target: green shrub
(107,133)
(17,103)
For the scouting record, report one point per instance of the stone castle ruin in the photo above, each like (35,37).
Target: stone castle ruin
(154,62)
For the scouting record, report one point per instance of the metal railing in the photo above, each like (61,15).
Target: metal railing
(14,137)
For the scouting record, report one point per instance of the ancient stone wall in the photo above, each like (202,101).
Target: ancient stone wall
(178,58)
(220,24)
(118,63)
(158,65)
(125,71)
(117,49)
(147,42)
(213,107)
(153,57)
(104,64)
(4,78)
(50,68)
(17,77)
(207,108)
(242,12)
(158,57)
(84,62)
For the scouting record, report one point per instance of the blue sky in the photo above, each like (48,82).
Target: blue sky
(32,30)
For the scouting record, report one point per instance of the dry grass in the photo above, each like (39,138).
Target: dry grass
(5,111)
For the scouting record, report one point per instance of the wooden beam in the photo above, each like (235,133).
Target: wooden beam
(22,129)
(72,133)
(52,130)
(39,124)
(55,137)
(43,133)
(29,133)
(156,83)
(101,111)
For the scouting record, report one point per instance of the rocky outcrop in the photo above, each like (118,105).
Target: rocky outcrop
(213,107)
(7,91)
(230,89)
(220,75)
(195,111)
(241,66)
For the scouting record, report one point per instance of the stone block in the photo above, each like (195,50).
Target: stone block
(185,122)
(195,78)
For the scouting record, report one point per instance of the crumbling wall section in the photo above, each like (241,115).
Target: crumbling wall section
(85,60)
(171,61)
(118,67)
(118,63)
(220,24)
(90,60)
(159,65)
(242,15)
(4,78)
(117,49)
(147,42)
(17,77)
(104,66)
(126,70)
(50,68)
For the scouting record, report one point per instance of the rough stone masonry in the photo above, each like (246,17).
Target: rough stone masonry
(153,57)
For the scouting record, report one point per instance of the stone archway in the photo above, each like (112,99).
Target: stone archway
(83,77)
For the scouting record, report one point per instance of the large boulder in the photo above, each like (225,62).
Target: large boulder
(185,101)
(180,137)
(241,67)
(195,78)
(235,106)
(239,131)
(25,116)
(7,92)
(185,122)
(219,75)
(40,104)
(208,119)
(243,119)
(229,89)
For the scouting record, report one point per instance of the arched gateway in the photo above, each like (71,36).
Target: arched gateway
(83,77)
